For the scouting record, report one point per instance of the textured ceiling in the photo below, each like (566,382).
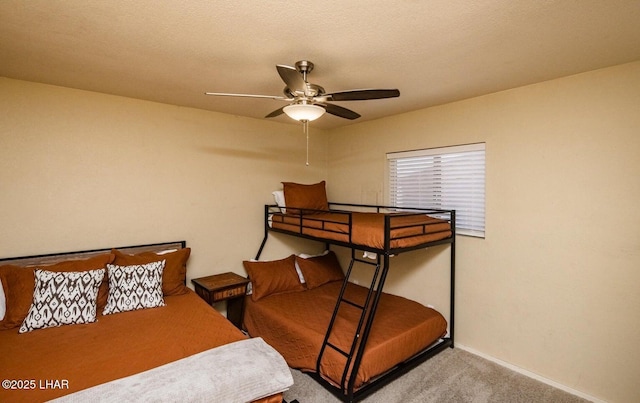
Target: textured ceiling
(433,51)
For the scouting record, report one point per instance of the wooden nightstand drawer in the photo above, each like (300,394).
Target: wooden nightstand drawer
(231,292)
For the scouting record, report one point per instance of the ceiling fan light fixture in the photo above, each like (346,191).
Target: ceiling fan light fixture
(303,112)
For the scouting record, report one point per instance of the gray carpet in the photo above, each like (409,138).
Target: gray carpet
(454,375)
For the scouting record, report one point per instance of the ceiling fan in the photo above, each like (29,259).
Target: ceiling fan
(310,101)
(307,101)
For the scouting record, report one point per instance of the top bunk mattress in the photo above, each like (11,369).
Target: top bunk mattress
(366,229)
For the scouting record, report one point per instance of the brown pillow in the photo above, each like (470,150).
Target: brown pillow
(174,275)
(318,270)
(19,282)
(273,277)
(313,197)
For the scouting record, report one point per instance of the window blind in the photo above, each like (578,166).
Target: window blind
(451,178)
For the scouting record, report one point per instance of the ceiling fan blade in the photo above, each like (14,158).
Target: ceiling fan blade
(340,111)
(361,95)
(292,78)
(226,94)
(275,113)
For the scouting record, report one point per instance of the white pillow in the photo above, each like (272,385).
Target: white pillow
(307,256)
(63,298)
(278,196)
(3,302)
(369,255)
(164,252)
(134,287)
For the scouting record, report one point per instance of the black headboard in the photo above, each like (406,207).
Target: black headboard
(53,258)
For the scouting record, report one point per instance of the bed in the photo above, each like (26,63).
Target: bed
(295,323)
(181,350)
(355,330)
(303,210)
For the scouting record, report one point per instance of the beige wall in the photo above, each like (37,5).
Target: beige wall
(81,170)
(554,286)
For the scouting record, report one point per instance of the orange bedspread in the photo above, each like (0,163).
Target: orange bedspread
(118,345)
(407,230)
(295,325)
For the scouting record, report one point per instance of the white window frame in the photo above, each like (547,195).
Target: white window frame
(449,178)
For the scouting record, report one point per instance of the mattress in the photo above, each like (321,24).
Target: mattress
(367,229)
(295,324)
(65,359)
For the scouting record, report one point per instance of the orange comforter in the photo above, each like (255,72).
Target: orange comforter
(407,230)
(295,325)
(66,359)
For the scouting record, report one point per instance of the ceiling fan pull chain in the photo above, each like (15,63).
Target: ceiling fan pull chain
(305,125)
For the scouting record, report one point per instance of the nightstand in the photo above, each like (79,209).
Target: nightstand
(228,287)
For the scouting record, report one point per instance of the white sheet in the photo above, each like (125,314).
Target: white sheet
(240,372)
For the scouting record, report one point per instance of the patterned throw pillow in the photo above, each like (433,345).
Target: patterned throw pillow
(134,287)
(63,298)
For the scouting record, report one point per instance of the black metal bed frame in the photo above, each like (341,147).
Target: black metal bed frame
(51,258)
(354,356)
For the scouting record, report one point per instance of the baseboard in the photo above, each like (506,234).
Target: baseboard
(530,374)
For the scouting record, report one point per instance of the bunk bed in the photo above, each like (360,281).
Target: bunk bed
(380,232)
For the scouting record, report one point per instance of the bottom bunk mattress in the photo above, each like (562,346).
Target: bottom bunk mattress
(52,362)
(295,324)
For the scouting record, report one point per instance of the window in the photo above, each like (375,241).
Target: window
(450,178)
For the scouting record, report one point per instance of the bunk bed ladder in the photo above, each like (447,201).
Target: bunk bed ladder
(352,356)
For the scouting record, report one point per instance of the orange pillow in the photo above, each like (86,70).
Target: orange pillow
(19,282)
(318,270)
(174,276)
(313,197)
(273,277)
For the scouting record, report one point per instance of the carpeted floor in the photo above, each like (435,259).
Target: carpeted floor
(454,375)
